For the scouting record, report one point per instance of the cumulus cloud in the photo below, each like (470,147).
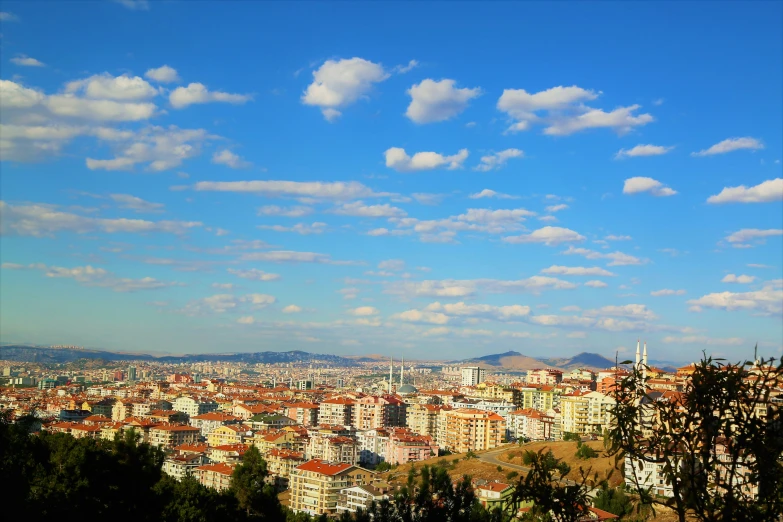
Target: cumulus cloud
(487,193)
(481,311)
(642,184)
(290,256)
(770,190)
(740,279)
(162,74)
(473,220)
(337,84)
(364,311)
(577,271)
(91,276)
(622,120)
(358,208)
(617,238)
(643,150)
(422,317)
(398,159)
(197,93)
(254,274)
(617,258)
(292,212)
(595,283)
(633,311)
(703,340)
(453,288)
(222,303)
(556,208)
(746,237)
(136,204)
(497,160)
(45,220)
(547,235)
(107,87)
(666,291)
(229,159)
(434,101)
(27,61)
(335,190)
(291,309)
(730,145)
(304,229)
(768,300)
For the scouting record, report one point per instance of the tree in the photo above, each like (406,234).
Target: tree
(248,484)
(567,436)
(718,445)
(585,452)
(383,466)
(511,475)
(551,496)
(613,500)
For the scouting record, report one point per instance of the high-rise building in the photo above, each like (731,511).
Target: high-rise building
(131,373)
(473,375)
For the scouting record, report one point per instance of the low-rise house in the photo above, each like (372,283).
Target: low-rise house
(493,495)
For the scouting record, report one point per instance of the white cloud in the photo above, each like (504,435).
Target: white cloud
(452,288)
(364,311)
(418,316)
(596,284)
(392,264)
(703,340)
(556,208)
(8,17)
(759,265)
(437,331)
(621,120)
(259,300)
(229,159)
(293,212)
(577,271)
(337,84)
(768,300)
(487,193)
(91,276)
(571,308)
(45,220)
(292,309)
(770,190)
(196,93)
(402,69)
(641,184)
(740,279)
(524,107)
(16,96)
(27,61)
(162,74)
(223,286)
(481,311)
(633,311)
(617,238)
(741,238)
(135,203)
(433,101)
(358,208)
(398,159)
(731,144)
(254,274)
(666,291)
(427,199)
(107,87)
(336,190)
(643,150)
(617,258)
(547,235)
(299,228)
(290,256)
(68,105)
(377,232)
(497,160)
(246,319)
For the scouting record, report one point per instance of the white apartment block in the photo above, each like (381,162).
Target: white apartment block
(473,375)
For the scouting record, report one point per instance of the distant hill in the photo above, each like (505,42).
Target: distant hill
(592,361)
(60,355)
(509,360)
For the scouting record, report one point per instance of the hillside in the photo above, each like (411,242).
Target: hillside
(592,361)
(509,360)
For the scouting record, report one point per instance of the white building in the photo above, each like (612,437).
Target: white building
(193,407)
(473,375)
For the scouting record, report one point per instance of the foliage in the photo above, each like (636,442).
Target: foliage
(383,466)
(248,486)
(500,468)
(574,437)
(511,475)
(585,452)
(470,455)
(613,500)
(715,443)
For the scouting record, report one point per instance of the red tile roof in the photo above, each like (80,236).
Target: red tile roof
(323,467)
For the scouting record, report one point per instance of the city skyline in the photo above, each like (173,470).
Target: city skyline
(402,180)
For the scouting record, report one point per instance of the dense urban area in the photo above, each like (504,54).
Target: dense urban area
(337,440)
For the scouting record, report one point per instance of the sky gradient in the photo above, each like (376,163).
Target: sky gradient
(429,180)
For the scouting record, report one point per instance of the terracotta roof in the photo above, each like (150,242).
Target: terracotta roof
(286,454)
(192,448)
(494,486)
(175,427)
(323,467)
(215,416)
(222,468)
(240,448)
(338,400)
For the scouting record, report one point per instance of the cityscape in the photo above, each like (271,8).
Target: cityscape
(391,261)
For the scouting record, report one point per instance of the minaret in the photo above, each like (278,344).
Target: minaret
(402,370)
(391,374)
(644,362)
(636,367)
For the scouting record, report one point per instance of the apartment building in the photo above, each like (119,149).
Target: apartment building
(229,434)
(540,397)
(333,449)
(473,375)
(215,476)
(462,430)
(336,411)
(280,463)
(304,413)
(530,424)
(171,435)
(179,466)
(492,391)
(546,376)
(585,412)
(208,422)
(193,407)
(350,500)
(403,446)
(373,412)
(423,418)
(315,485)
(372,446)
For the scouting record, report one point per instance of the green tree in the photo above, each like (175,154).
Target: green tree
(613,500)
(585,452)
(248,484)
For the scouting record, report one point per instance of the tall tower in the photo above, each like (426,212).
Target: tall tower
(402,370)
(638,355)
(644,362)
(391,372)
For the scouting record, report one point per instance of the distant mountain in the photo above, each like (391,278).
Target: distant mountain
(509,360)
(592,361)
(61,355)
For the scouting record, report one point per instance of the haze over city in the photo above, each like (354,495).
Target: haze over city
(360,179)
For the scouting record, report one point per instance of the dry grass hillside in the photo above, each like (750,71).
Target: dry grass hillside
(456,465)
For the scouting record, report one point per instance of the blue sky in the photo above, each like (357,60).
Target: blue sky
(433,180)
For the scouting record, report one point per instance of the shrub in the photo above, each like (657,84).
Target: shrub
(586,452)
(574,437)
(512,475)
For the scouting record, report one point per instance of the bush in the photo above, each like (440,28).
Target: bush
(383,466)
(500,468)
(512,475)
(470,455)
(586,452)
(574,437)
(613,500)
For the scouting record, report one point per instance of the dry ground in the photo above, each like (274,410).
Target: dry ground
(473,467)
